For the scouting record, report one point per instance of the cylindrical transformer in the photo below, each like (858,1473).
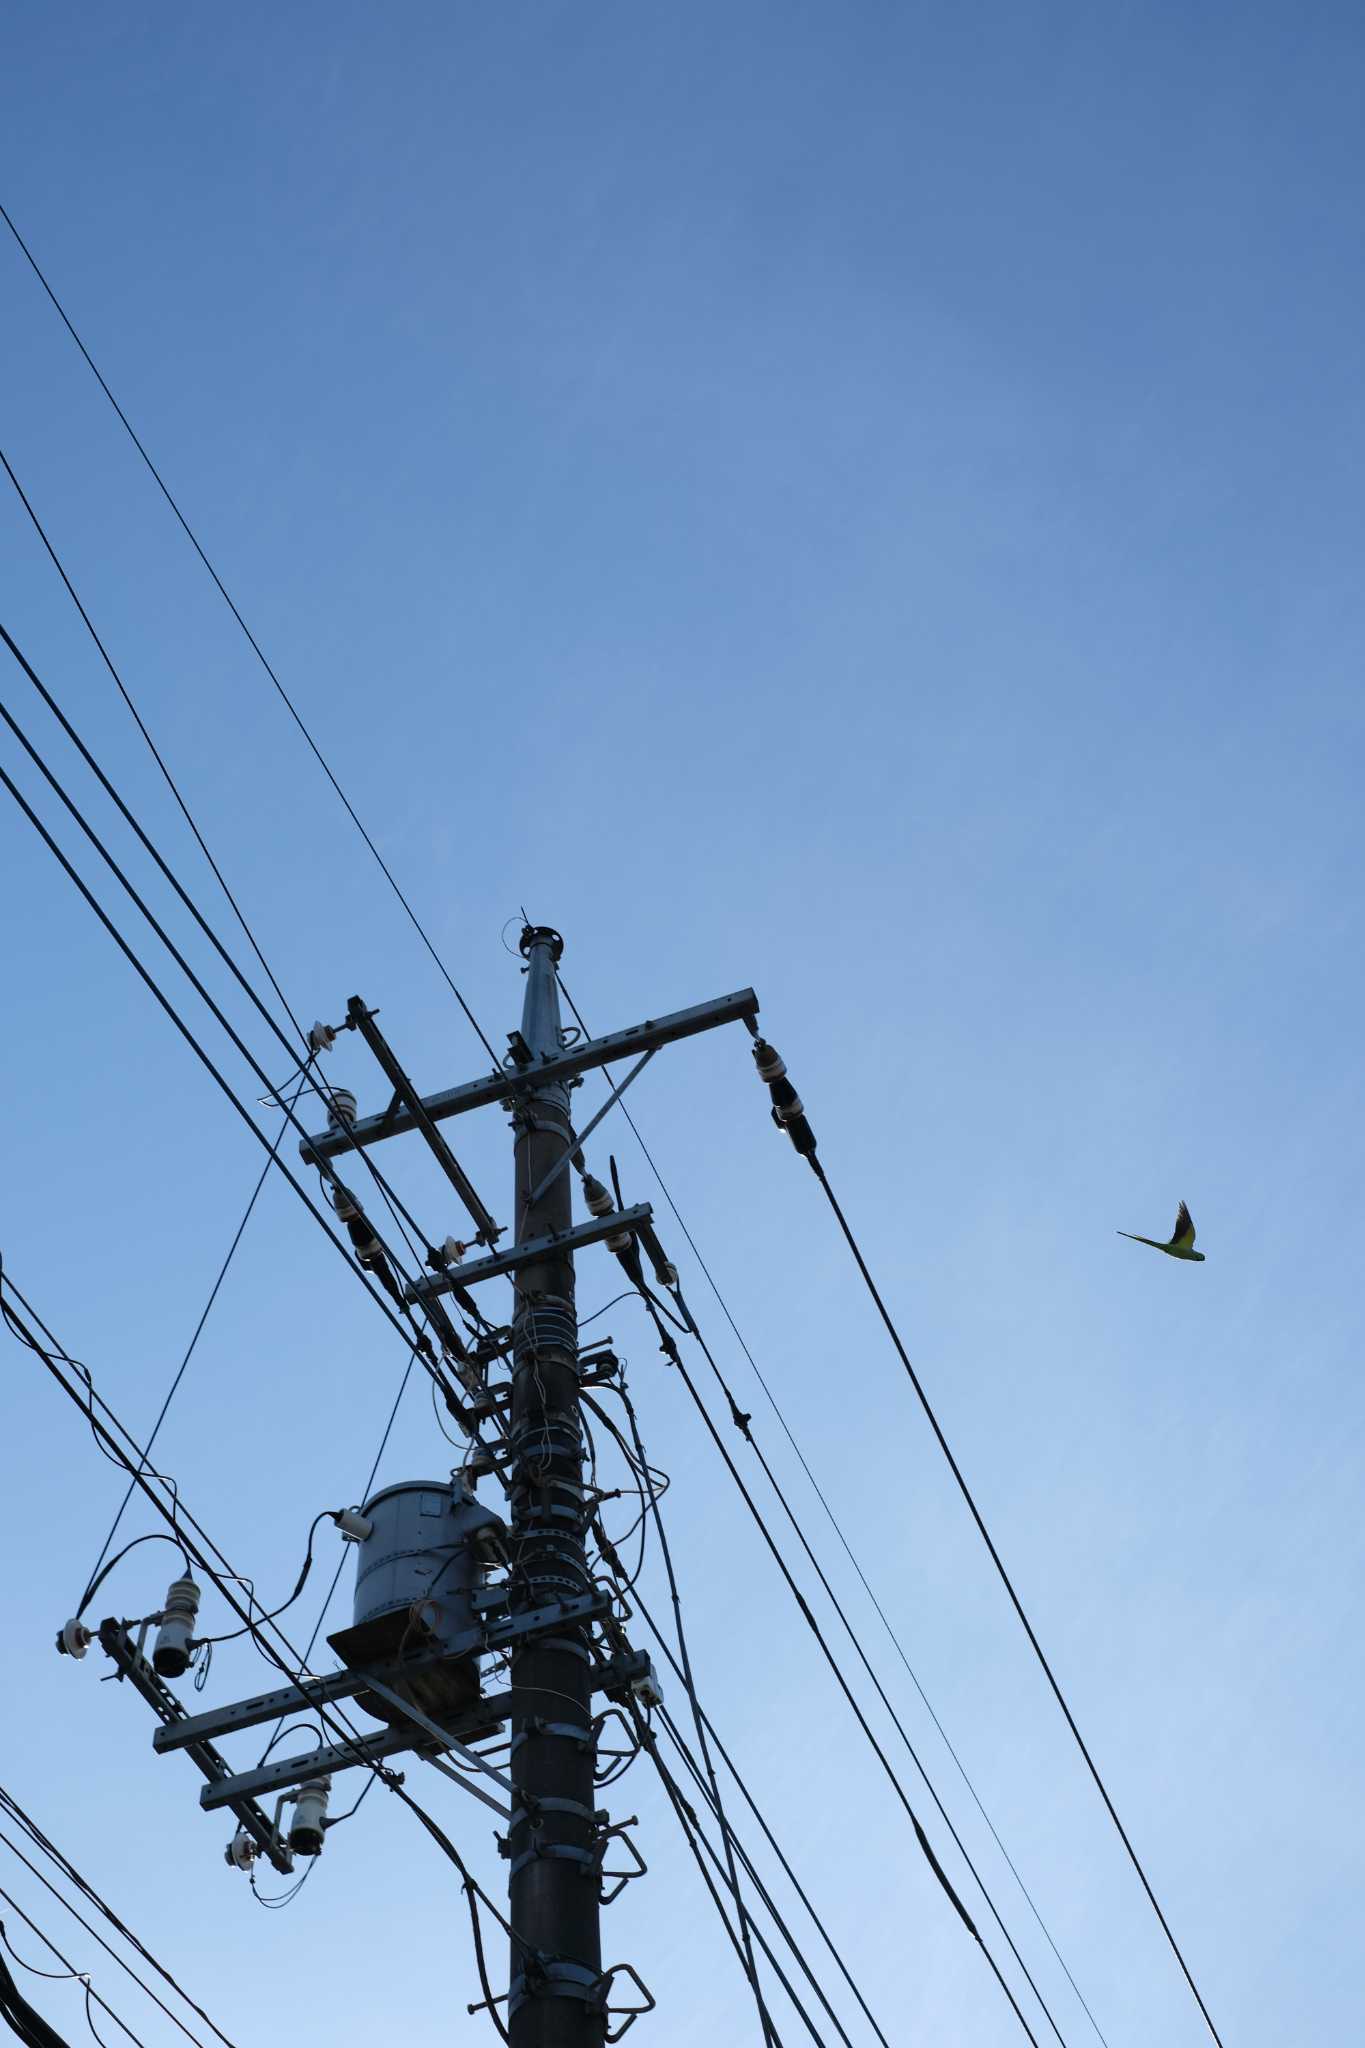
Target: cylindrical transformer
(416,1573)
(171,1650)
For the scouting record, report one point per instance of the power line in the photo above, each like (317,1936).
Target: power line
(328,1713)
(421,1343)
(751,1803)
(1007,1582)
(708,1785)
(199,1326)
(745,1925)
(95,1935)
(164,867)
(254,644)
(221,879)
(742,1423)
(71,1971)
(675,1357)
(838,1529)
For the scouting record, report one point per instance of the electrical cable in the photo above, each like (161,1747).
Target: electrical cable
(199,1326)
(671,1349)
(327,1712)
(71,733)
(837,1527)
(15,1812)
(694,1838)
(421,1340)
(250,636)
(93,1585)
(111,1951)
(709,1786)
(10,1992)
(772,1840)
(732,1874)
(742,1423)
(324,1168)
(966,1492)
(19,2016)
(57,564)
(694,1770)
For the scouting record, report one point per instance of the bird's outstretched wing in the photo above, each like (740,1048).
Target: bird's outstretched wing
(1182,1237)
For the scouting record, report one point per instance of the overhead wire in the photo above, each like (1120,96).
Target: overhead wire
(156,754)
(844,1542)
(225,1579)
(109,1949)
(742,1421)
(1005,1579)
(323,1167)
(254,644)
(666,1651)
(81,1976)
(682,1668)
(139,967)
(198,1331)
(756,1515)
(732,1874)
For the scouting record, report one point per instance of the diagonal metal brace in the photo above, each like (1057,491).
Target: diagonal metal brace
(404,1093)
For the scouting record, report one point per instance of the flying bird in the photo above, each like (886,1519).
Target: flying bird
(1181,1242)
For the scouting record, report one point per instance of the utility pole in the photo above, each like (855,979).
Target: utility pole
(413,1661)
(552,1841)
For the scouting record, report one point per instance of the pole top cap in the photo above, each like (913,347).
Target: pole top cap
(541,935)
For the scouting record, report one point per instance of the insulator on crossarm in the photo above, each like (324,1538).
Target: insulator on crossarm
(171,1650)
(241,1852)
(600,1203)
(310,1817)
(665,1272)
(769,1061)
(789,1113)
(74,1638)
(340,1109)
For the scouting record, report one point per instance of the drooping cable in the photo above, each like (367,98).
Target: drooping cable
(198,1331)
(10,2000)
(108,1948)
(250,636)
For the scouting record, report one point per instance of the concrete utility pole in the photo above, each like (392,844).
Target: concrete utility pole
(552,1840)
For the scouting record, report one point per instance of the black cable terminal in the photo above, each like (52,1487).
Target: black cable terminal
(788,1110)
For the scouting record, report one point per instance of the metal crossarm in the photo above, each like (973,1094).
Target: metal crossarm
(558,1067)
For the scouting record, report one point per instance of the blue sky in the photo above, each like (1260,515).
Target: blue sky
(855,501)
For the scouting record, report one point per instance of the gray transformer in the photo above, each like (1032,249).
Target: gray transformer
(416,1574)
